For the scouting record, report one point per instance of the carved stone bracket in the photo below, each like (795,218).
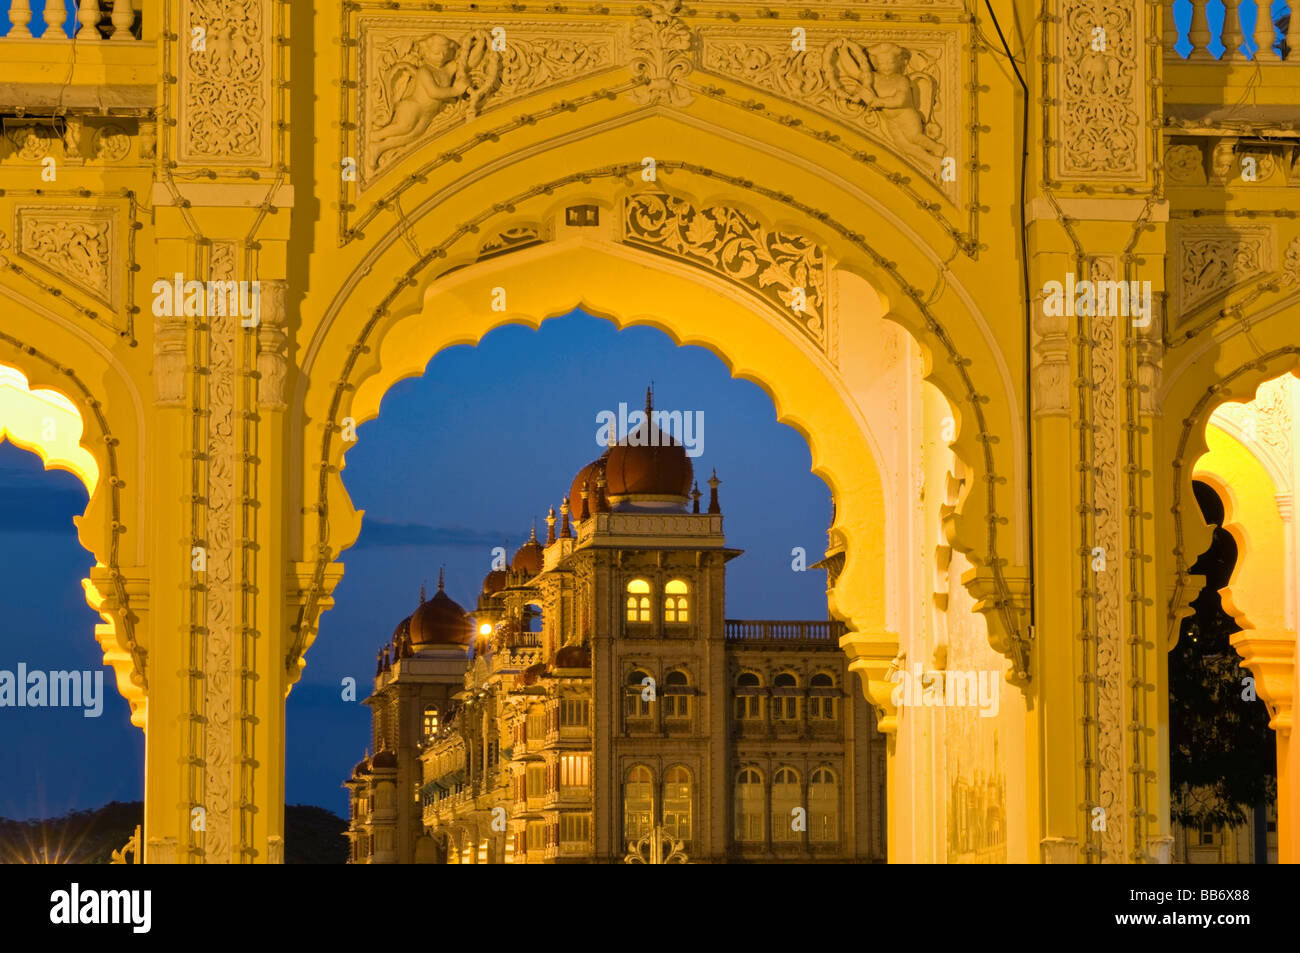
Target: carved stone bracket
(80,244)
(1003,600)
(272,345)
(874,657)
(1270,657)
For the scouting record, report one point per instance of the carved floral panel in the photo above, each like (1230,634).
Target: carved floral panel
(788,271)
(421,77)
(1212,260)
(225,87)
(78,244)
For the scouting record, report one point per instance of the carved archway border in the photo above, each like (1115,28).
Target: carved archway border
(1003,607)
(106,589)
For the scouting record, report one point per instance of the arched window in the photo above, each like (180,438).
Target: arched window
(677,699)
(430,722)
(747,696)
(749,806)
(823,806)
(787,804)
(678,798)
(638,695)
(638,803)
(821,700)
(676,605)
(784,702)
(638,601)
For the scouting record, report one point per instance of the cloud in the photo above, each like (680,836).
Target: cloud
(376,534)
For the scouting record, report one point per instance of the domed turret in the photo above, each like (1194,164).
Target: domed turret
(650,466)
(573,656)
(528,558)
(494,582)
(586,479)
(440,621)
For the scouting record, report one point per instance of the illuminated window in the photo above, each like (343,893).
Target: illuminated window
(784,707)
(430,722)
(821,706)
(536,780)
(575,770)
(638,803)
(823,807)
(536,723)
(747,696)
(676,698)
(678,797)
(637,698)
(638,601)
(749,806)
(575,828)
(785,799)
(536,835)
(676,608)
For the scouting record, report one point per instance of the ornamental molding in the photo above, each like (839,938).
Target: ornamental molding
(1100,91)
(1210,261)
(225,88)
(786,270)
(899,87)
(420,77)
(79,244)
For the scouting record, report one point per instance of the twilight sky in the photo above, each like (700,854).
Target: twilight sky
(459,461)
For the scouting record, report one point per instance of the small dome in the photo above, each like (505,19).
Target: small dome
(528,558)
(440,621)
(648,465)
(588,475)
(529,675)
(573,656)
(402,631)
(385,761)
(494,582)
(363,767)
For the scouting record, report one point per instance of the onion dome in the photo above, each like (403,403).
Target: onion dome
(494,582)
(573,656)
(440,621)
(528,558)
(586,478)
(384,761)
(649,465)
(363,767)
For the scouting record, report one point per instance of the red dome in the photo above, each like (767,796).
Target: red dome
(654,472)
(573,656)
(588,475)
(528,558)
(440,621)
(494,582)
(385,761)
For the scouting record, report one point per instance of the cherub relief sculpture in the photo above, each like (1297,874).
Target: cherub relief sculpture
(875,77)
(420,78)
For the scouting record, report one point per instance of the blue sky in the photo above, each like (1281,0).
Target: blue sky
(459,461)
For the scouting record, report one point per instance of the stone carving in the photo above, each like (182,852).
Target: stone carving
(272,345)
(661,46)
(76,243)
(221,614)
(169,360)
(891,92)
(1101,80)
(784,269)
(1291,263)
(1211,261)
(148,140)
(510,239)
(1107,504)
(1185,164)
(225,87)
(111,143)
(72,131)
(1051,375)
(419,84)
(31,141)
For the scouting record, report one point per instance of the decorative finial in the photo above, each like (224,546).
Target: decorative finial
(565,532)
(713,493)
(602,504)
(649,399)
(585,513)
(550,526)
(695,497)
(379,663)
(441,580)
(533,536)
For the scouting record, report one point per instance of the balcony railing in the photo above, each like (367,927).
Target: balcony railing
(1254,25)
(87,20)
(743,630)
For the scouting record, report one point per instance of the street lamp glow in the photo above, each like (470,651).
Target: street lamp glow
(485,628)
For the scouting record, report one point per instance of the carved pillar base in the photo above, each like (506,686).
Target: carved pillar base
(1059,850)
(1160,849)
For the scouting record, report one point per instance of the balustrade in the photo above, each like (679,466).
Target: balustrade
(1205,25)
(70,19)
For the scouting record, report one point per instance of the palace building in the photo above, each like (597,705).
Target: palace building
(600,696)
